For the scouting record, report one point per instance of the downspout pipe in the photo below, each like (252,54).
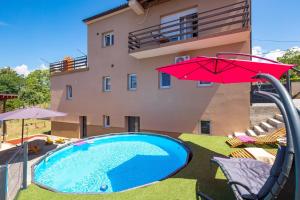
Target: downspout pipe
(289,154)
(294,120)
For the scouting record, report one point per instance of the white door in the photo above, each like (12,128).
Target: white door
(177,29)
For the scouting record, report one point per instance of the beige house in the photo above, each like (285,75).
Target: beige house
(117,89)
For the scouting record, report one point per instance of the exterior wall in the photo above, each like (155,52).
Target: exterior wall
(177,109)
(65,129)
(296,89)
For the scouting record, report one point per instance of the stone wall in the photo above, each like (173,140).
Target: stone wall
(261,112)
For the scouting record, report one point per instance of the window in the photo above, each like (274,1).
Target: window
(106,84)
(204,83)
(205,127)
(108,39)
(132,82)
(188,26)
(164,80)
(106,121)
(69,92)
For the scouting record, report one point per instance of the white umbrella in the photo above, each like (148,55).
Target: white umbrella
(30,113)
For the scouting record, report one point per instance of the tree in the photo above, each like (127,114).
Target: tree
(32,90)
(11,83)
(37,88)
(292,57)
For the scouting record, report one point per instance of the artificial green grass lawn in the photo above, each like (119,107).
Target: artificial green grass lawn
(199,175)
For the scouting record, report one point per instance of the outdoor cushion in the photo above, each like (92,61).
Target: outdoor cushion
(261,155)
(249,172)
(246,139)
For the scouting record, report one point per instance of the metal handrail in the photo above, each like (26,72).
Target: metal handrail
(221,54)
(230,5)
(69,65)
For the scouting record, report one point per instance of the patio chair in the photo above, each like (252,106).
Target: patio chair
(271,138)
(249,178)
(243,153)
(255,153)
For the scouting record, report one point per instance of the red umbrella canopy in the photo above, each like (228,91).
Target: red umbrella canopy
(221,70)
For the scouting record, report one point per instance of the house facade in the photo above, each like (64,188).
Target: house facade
(117,89)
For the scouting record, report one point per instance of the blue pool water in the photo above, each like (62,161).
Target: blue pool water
(111,164)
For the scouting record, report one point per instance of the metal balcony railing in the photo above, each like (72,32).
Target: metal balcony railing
(69,65)
(218,20)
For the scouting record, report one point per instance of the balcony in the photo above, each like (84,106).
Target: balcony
(220,26)
(69,65)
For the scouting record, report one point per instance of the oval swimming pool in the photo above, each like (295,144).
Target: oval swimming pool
(111,163)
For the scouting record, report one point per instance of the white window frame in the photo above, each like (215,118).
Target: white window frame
(106,121)
(160,82)
(130,88)
(111,36)
(69,92)
(105,84)
(204,84)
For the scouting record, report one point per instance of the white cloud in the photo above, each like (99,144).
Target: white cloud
(272,55)
(22,70)
(257,51)
(43,66)
(295,48)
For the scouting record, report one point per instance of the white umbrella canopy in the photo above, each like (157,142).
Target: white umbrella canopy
(30,113)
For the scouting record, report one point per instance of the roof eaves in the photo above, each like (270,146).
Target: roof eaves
(107,12)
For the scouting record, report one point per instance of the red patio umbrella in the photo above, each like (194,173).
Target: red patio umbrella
(222,70)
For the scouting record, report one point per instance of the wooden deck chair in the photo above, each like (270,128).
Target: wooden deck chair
(271,138)
(243,153)
(267,139)
(234,142)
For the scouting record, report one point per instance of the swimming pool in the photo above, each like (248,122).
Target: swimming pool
(111,163)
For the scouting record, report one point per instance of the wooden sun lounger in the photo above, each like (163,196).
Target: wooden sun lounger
(267,139)
(243,153)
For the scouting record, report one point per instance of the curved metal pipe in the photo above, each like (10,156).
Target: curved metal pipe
(277,96)
(222,54)
(294,120)
(289,154)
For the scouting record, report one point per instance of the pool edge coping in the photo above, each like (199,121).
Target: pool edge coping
(177,140)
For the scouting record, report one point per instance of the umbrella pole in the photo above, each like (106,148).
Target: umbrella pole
(4,127)
(22,140)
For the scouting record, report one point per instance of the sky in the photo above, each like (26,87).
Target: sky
(36,32)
